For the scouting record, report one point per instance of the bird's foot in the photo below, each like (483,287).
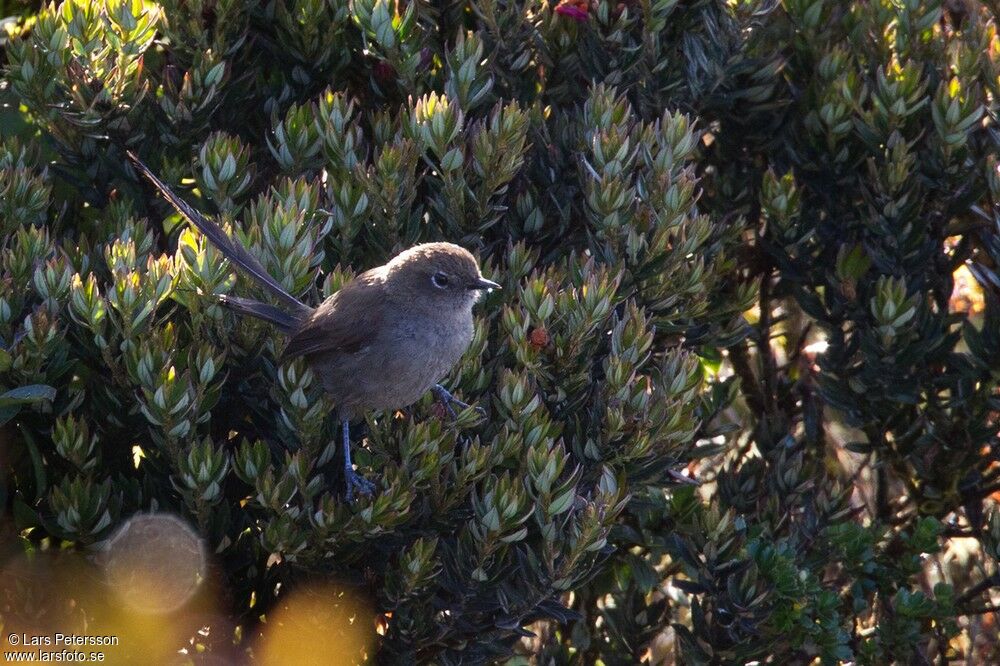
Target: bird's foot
(356,482)
(445,397)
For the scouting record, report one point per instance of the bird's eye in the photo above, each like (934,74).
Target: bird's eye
(440,280)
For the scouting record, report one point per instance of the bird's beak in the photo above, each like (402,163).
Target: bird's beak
(483,283)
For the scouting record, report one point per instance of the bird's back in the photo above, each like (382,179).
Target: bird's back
(345,321)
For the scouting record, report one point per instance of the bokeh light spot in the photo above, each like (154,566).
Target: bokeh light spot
(155,563)
(321,624)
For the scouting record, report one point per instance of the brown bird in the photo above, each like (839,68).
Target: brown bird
(383,340)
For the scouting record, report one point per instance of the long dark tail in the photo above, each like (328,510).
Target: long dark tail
(287,323)
(233,251)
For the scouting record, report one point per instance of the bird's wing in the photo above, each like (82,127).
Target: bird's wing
(346,322)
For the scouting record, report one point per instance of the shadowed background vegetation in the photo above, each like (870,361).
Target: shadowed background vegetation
(748,242)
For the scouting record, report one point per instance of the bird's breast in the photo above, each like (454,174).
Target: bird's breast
(411,355)
(441,341)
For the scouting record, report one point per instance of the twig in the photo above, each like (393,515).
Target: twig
(978,588)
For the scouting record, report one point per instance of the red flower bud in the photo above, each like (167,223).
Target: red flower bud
(538,338)
(574,9)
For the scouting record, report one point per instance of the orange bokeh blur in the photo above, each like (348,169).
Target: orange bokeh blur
(140,595)
(322,624)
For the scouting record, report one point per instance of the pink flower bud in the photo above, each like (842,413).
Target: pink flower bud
(574,10)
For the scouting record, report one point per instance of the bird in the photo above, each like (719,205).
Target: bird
(382,341)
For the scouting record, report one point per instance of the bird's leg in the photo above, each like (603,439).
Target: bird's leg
(447,399)
(352,479)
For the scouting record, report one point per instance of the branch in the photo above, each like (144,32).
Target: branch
(978,588)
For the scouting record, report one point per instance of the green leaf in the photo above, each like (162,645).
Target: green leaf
(707,450)
(859,447)
(37,463)
(26,395)
(24,515)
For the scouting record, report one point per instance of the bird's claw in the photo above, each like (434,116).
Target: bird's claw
(355,481)
(447,399)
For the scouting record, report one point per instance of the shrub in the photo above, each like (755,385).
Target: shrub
(727,234)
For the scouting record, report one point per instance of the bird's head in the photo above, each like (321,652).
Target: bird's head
(442,274)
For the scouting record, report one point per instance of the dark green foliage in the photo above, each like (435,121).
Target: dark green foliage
(679,198)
